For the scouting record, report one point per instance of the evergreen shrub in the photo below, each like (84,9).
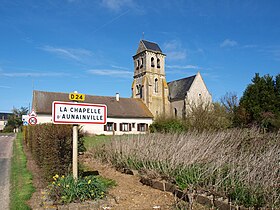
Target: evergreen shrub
(51,147)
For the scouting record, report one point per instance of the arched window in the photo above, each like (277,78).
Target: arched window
(156,85)
(138,64)
(175,112)
(142,63)
(158,63)
(152,62)
(141,91)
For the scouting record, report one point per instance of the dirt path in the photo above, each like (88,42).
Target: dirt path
(130,193)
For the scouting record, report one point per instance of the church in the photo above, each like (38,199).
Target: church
(164,99)
(151,97)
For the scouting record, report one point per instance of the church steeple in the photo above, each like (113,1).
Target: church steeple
(149,82)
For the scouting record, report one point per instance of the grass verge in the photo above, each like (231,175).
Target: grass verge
(21,179)
(93,141)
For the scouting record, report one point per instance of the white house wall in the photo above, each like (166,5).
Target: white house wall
(198,92)
(99,129)
(2,124)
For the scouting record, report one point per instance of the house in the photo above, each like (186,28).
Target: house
(3,120)
(149,84)
(124,115)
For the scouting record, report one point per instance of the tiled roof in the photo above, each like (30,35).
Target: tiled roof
(146,45)
(124,108)
(178,88)
(4,115)
(151,46)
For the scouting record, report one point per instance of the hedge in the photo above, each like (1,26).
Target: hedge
(51,147)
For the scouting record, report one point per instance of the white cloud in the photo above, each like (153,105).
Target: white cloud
(174,50)
(76,54)
(272,52)
(33,74)
(111,73)
(228,43)
(117,5)
(119,67)
(183,67)
(6,87)
(250,46)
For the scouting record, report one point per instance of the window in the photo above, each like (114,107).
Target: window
(142,63)
(110,126)
(156,85)
(152,62)
(137,89)
(138,64)
(125,127)
(142,127)
(175,112)
(141,91)
(158,63)
(133,125)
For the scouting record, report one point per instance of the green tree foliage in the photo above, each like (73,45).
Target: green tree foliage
(260,103)
(15,120)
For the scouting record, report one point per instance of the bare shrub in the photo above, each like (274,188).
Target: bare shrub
(205,116)
(240,164)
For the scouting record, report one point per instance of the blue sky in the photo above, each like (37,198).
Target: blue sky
(87,45)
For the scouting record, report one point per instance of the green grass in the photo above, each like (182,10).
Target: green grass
(93,141)
(21,179)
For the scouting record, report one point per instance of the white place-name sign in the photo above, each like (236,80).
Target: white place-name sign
(78,113)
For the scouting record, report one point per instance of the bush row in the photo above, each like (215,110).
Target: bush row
(240,164)
(51,147)
(200,117)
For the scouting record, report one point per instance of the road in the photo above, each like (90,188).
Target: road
(6,150)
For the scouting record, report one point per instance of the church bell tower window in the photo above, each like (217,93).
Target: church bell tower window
(138,64)
(158,63)
(152,62)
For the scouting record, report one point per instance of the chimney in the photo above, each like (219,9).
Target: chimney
(117,96)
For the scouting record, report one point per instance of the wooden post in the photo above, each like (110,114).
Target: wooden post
(75,149)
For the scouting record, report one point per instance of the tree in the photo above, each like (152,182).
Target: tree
(230,102)
(15,120)
(260,101)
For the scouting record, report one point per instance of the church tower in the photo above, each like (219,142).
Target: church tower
(149,81)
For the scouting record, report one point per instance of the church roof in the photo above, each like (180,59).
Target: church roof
(151,46)
(147,45)
(178,88)
(124,108)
